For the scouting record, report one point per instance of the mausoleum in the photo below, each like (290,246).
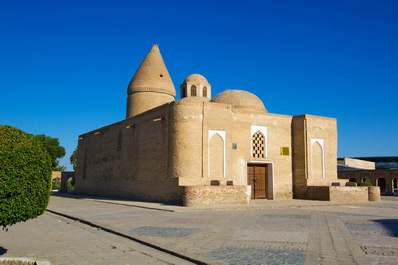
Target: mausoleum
(203,149)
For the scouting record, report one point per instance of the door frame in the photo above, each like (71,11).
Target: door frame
(270,176)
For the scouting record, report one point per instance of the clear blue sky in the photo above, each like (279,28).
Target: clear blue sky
(65,65)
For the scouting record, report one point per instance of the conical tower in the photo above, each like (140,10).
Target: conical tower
(151,85)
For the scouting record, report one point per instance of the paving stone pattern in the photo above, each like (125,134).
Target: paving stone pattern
(156,231)
(378,236)
(51,238)
(274,233)
(257,256)
(285,216)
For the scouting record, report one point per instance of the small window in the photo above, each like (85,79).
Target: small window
(204,92)
(184,92)
(193,91)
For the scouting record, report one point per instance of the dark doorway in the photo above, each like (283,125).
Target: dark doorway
(381,182)
(257,178)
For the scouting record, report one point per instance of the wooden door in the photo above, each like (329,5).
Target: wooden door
(257,178)
(251,178)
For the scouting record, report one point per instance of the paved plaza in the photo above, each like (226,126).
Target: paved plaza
(89,230)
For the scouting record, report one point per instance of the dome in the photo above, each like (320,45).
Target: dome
(198,99)
(240,99)
(197,78)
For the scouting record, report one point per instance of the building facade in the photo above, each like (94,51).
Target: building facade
(203,150)
(379,171)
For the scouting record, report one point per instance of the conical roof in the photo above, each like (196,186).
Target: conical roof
(152,75)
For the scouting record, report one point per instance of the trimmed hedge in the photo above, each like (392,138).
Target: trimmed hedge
(365,184)
(25,176)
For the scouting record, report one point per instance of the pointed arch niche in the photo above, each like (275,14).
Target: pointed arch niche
(216,156)
(257,146)
(318,158)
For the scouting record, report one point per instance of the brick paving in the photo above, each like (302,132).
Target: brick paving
(51,239)
(267,232)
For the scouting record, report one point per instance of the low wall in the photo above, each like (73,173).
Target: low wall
(348,194)
(216,195)
(343,193)
(320,193)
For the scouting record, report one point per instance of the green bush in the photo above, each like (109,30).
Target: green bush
(365,184)
(71,184)
(25,176)
(56,186)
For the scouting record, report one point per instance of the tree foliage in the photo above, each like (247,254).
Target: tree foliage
(25,176)
(73,159)
(54,149)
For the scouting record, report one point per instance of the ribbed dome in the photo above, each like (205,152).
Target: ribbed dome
(152,75)
(240,99)
(196,78)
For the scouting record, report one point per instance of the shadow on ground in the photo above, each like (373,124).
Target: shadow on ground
(3,251)
(71,194)
(390,225)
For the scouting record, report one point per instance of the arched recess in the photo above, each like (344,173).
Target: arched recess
(317,161)
(352,180)
(193,91)
(381,182)
(318,158)
(217,158)
(204,92)
(395,186)
(366,179)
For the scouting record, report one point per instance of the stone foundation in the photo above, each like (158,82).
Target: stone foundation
(319,193)
(216,195)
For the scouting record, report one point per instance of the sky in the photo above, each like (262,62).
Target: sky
(65,65)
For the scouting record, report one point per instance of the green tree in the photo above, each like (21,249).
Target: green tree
(25,176)
(73,159)
(54,149)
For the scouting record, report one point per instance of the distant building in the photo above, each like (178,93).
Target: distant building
(380,171)
(203,150)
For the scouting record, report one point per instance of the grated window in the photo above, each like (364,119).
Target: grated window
(258,145)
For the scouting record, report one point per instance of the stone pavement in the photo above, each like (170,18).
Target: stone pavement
(52,239)
(266,232)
